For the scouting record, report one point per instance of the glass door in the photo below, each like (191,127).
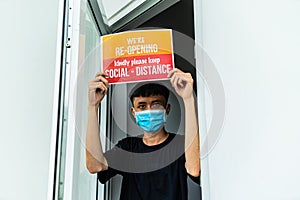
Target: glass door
(81,62)
(86,23)
(148,14)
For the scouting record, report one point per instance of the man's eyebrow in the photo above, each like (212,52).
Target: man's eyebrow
(154,101)
(157,101)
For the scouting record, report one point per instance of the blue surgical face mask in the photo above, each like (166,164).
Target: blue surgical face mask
(151,121)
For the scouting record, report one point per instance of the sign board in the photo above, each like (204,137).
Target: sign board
(135,56)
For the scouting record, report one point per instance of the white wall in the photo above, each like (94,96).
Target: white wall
(28,48)
(255,46)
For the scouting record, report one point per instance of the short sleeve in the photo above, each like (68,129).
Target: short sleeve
(112,156)
(195,179)
(104,176)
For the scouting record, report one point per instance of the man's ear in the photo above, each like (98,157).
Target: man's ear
(132,112)
(168,108)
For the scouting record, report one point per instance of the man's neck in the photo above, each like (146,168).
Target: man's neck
(155,139)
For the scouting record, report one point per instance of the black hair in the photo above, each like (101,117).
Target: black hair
(150,89)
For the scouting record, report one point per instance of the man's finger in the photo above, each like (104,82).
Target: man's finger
(98,79)
(175,80)
(100,74)
(103,80)
(98,85)
(173,71)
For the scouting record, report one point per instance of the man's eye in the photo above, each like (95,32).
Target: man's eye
(157,106)
(141,107)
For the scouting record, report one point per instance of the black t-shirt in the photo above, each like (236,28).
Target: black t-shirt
(149,172)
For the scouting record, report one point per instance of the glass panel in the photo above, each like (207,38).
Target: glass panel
(84,184)
(114,11)
(122,14)
(187,65)
(61,141)
(62,136)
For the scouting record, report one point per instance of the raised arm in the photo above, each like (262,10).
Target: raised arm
(183,85)
(97,89)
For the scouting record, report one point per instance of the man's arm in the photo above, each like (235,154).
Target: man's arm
(183,85)
(95,160)
(192,151)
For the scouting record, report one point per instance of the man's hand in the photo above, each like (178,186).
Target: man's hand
(97,89)
(182,83)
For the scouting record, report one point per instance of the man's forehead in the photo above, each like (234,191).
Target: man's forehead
(149,99)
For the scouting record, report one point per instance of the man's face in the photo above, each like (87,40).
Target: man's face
(154,102)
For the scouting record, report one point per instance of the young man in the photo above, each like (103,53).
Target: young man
(166,159)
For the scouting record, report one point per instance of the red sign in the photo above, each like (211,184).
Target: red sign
(137,55)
